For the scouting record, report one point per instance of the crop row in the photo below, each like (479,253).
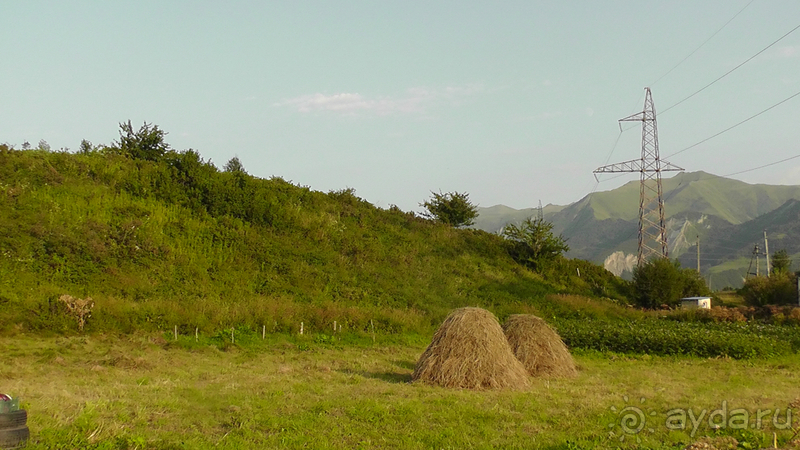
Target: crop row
(662,337)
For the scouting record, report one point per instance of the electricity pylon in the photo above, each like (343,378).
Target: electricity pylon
(652,227)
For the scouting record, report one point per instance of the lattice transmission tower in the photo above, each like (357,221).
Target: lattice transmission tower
(652,227)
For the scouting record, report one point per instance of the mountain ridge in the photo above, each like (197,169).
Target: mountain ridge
(698,205)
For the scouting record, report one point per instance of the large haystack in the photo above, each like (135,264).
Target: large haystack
(539,347)
(470,351)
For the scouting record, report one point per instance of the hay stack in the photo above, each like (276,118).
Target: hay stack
(470,351)
(539,347)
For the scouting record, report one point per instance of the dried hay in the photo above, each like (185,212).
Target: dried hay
(538,347)
(470,351)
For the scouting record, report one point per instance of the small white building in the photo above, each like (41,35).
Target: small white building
(696,302)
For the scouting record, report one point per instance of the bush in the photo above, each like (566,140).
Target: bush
(453,208)
(533,244)
(661,282)
(779,289)
(146,143)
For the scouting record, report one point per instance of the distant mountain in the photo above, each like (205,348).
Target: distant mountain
(725,255)
(603,226)
(494,218)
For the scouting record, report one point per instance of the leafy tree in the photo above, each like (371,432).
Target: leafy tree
(43,145)
(26,145)
(146,143)
(234,165)
(781,263)
(779,289)
(452,208)
(663,282)
(85,147)
(533,243)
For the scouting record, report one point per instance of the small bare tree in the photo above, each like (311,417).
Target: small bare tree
(80,308)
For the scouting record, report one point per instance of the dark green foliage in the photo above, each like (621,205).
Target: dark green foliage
(781,263)
(85,147)
(234,165)
(667,337)
(778,289)
(147,143)
(662,282)
(533,244)
(452,208)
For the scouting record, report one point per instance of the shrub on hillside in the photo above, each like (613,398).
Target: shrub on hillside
(146,143)
(533,244)
(452,208)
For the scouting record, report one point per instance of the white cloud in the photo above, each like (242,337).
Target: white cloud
(789,51)
(790,176)
(343,102)
(415,100)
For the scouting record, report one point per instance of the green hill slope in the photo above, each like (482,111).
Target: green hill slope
(725,257)
(604,225)
(179,243)
(494,218)
(693,192)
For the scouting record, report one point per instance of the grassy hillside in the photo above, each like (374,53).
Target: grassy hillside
(179,243)
(695,192)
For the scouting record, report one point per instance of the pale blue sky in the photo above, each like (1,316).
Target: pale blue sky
(511,101)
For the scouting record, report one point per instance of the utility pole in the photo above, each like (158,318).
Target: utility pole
(698,254)
(755,254)
(652,226)
(758,273)
(766,251)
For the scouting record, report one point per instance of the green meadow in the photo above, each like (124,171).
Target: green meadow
(147,391)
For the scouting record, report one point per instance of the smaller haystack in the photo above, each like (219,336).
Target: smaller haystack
(539,347)
(469,350)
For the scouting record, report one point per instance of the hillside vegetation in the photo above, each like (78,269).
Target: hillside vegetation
(174,241)
(727,216)
(171,243)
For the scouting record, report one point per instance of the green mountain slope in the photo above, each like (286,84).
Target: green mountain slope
(695,192)
(494,218)
(726,256)
(179,243)
(603,227)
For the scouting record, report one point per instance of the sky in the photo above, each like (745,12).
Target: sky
(512,102)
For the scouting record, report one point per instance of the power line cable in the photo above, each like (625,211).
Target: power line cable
(701,45)
(761,167)
(736,125)
(730,71)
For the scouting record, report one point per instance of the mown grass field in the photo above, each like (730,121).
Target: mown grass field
(146,391)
